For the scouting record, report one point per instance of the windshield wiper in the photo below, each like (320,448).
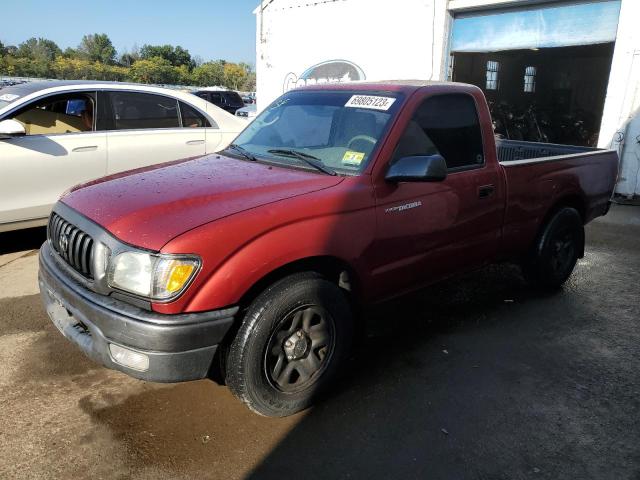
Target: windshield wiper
(245,153)
(306,158)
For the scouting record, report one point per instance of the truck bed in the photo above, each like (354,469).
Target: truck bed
(512,150)
(539,175)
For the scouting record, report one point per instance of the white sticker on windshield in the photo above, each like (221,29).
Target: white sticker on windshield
(8,97)
(370,101)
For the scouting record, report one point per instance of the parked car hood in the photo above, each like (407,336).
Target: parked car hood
(148,207)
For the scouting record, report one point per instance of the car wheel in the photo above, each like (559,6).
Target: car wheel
(290,345)
(556,250)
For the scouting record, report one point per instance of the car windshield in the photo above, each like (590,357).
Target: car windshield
(340,129)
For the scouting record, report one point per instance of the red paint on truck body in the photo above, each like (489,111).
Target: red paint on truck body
(246,219)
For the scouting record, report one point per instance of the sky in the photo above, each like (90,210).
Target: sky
(211,29)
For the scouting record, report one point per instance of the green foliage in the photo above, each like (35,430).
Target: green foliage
(234,75)
(176,56)
(97,47)
(38,49)
(153,70)
(95,59)
(208,74)
(81,69)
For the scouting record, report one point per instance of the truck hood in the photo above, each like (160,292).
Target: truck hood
(150,206)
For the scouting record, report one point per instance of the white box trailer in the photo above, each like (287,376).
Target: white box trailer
(303,42)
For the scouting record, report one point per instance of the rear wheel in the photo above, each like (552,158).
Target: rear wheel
(556,251)
(290,345)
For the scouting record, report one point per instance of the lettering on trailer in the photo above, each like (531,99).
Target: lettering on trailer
(331,71)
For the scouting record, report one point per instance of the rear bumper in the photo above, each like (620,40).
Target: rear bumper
(179,347)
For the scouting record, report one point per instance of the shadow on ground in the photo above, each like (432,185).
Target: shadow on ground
(481,377)
(20,240)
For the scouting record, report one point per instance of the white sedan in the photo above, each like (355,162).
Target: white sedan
(56,134)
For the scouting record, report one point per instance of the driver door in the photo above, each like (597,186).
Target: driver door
(61,148)
(431,230)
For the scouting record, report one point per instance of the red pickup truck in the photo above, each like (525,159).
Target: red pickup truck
(254,262)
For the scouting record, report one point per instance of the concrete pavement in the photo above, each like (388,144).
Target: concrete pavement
(479,377)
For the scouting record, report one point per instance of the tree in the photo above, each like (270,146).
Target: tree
(97,47)
(153,70)
(250,83)
(3,50)
(129,58)
(39,49)
(208,74)
(176,56)
(70,53)
(234,75)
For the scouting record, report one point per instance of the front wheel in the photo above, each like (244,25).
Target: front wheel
(556,251)
(290,345)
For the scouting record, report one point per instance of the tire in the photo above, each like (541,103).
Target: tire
(290,345)
(556,251)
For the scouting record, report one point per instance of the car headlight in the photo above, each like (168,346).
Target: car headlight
(157,277)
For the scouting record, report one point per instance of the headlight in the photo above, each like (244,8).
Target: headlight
(157,277)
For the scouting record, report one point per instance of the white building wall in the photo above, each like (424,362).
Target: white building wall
(409,39)
(620,128)
(387,40)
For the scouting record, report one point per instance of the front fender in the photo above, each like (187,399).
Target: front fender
(326,236)
(240,250)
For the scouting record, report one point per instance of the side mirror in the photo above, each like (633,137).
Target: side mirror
(10,129)
(431,168)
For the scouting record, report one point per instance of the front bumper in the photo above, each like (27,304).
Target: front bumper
(179,347)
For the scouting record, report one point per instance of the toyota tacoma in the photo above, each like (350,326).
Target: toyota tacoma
(252,264)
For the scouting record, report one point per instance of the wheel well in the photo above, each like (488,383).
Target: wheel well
(572,201)
(332,268)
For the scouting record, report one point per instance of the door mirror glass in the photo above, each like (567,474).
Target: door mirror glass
(10,129)
(424,168)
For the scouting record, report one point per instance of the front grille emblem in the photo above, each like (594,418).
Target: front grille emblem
(63,242)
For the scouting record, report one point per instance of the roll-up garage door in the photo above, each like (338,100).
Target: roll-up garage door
(557,25)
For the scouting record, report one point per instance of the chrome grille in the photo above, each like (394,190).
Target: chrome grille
(73,245)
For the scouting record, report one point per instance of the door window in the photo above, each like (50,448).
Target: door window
(232,99)
(191,118)
(447,125)
(216,98)
(68,113)
(143,111)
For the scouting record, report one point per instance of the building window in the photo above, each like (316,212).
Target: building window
(530,79)
(493,69)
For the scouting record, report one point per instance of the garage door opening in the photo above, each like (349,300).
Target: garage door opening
(544,69)
(551,95)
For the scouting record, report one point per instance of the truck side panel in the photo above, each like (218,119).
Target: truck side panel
(536,187)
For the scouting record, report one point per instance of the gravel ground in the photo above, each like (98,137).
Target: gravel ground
(476,378)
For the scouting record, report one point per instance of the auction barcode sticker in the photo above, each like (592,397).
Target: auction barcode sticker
(370,101)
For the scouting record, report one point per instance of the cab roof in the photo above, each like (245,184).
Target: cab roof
(405,86)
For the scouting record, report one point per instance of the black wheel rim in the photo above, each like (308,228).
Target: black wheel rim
(563,253)
(299,349)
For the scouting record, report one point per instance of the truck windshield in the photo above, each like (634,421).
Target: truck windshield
(340,129)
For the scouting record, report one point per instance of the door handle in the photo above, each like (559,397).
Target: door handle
(195,142)
(88,148)
(486,191)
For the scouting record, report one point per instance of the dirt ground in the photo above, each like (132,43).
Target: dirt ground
(477,378)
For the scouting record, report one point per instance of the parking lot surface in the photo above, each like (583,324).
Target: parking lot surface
(479,378)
